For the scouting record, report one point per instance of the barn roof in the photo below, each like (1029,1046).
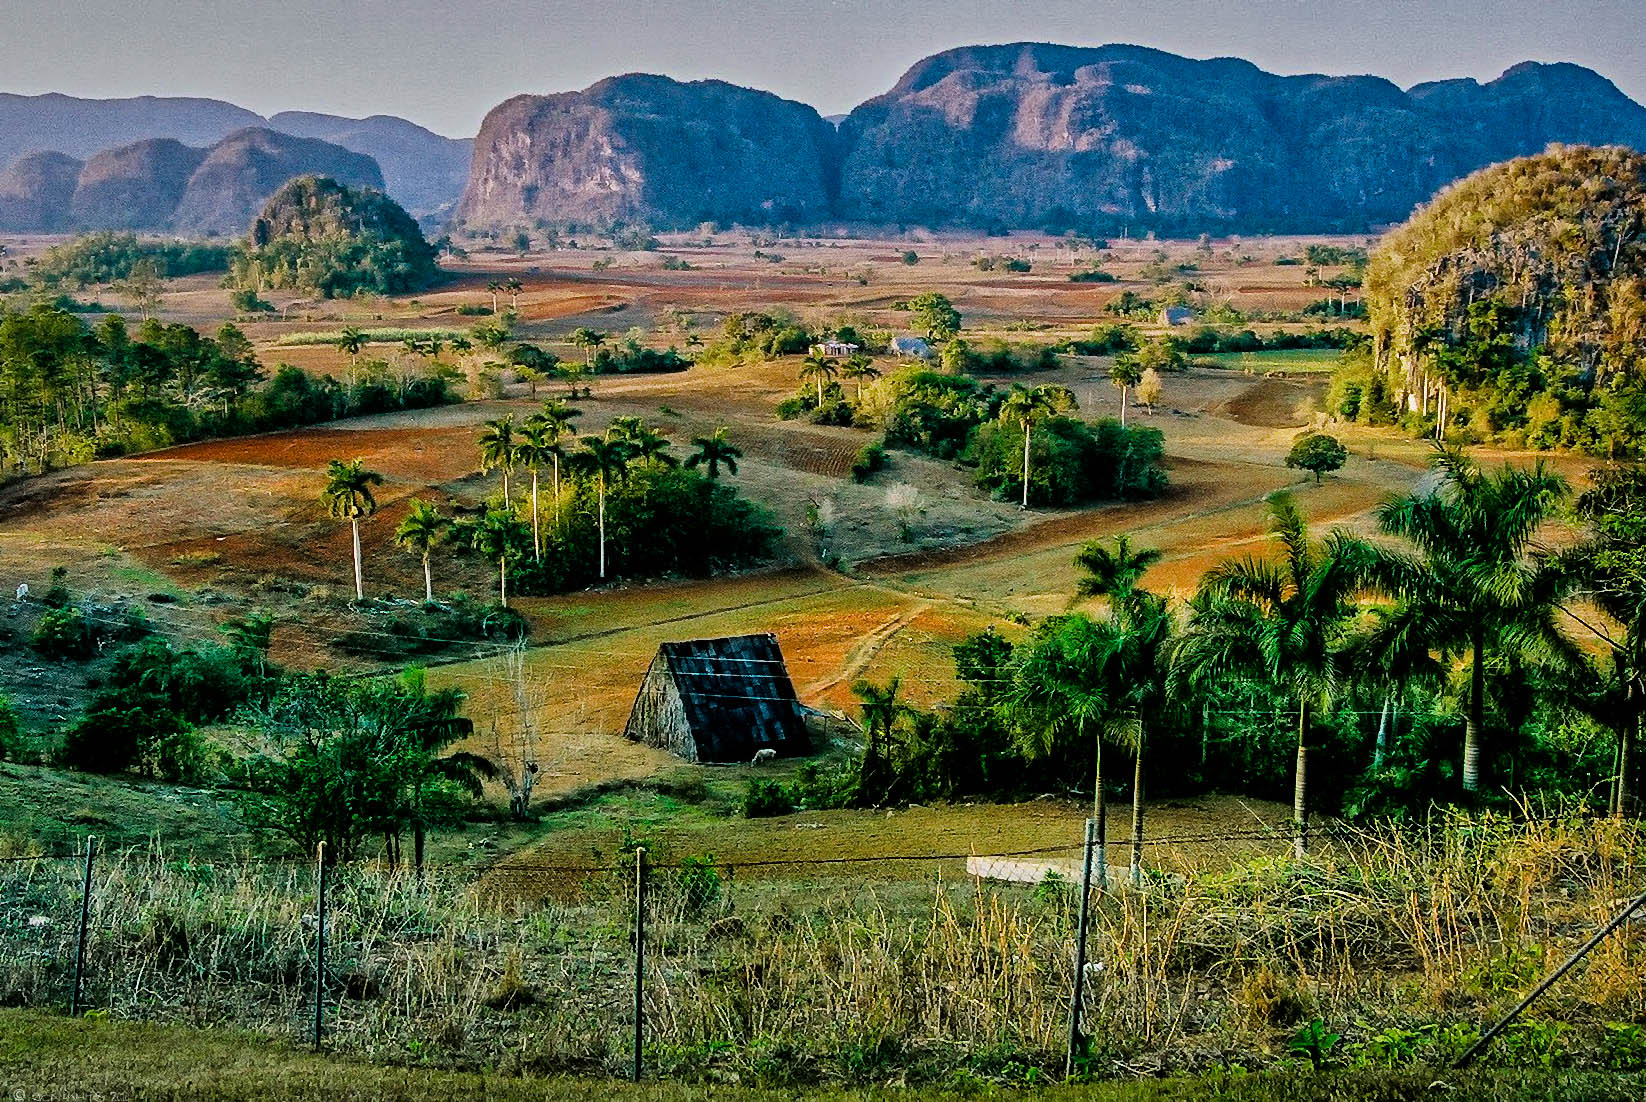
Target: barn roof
(737,696)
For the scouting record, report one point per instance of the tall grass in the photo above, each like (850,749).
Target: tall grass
(1406,941)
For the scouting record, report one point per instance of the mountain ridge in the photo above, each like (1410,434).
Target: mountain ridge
(1007,135)
(423,170)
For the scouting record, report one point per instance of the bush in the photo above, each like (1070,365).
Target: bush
(766,798)
(662,521)
(245,301)
(62,633)
(632,358)
(870,459)
(11,732)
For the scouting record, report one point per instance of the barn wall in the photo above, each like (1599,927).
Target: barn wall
(659,717)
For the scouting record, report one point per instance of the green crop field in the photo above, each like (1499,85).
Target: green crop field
(1296,361)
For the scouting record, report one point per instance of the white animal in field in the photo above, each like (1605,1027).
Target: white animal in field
(761,757)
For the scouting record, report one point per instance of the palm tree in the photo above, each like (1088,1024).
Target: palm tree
(1281,623)
(588,340)
(1113,574)
(1027,407)
(1610,564)
(348,493)
(537,447)
(1139,665)
(881,710)
(820,369)
(858,368)
(605,460)
(559,419)
(650,447)
(1124,374)
(494,287)
(433,723)
(1476,585)
(1061,685)
(713,452)
(422,530)
(352,341)
(497,449)
(499,536)
(514,287)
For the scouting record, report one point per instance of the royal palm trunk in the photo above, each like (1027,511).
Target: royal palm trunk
(1300,785)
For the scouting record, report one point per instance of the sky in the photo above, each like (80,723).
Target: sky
(445,64)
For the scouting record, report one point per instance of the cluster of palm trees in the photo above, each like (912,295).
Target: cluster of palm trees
(510,286)
(547,441)
(1457,584)
(820,370)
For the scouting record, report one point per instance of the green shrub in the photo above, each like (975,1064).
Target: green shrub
(766,798)
(870,459)
(1071,461)
(11,732)
(245,301)
(62,633)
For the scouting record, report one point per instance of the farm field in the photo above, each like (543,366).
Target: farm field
(222,527)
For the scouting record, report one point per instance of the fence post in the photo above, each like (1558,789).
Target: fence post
(320,944)
(1075,1000)
(639,953)
(1502,1023)
(85,917)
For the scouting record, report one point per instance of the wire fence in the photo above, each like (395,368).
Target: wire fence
(837,967)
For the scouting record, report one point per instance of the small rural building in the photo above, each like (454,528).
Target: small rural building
(912,348)
(719,700)
(1176,315)
(837,349)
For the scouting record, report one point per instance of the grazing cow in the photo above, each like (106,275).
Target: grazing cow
(761,757)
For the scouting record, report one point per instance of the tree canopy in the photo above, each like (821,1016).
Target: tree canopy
(318,235)
(1514,305)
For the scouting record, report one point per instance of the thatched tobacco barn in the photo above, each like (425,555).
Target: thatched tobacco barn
(719,700)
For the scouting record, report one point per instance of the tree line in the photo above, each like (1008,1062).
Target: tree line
(70,392)
(595,506)
(1457,656)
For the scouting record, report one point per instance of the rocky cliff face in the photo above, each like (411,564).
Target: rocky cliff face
(1033,134)
(136,186)
(240,173)
(36,190)
(650,149)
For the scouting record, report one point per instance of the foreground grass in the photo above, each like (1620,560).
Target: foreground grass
(49,1057)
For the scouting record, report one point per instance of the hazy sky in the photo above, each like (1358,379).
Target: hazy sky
(444,64)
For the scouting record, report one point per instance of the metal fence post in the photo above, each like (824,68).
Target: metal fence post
(320,945)
(1075,999)
(1588,947)
(85,917)
(639,953)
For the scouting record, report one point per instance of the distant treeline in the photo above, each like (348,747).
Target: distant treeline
(70,393)
(111,257)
